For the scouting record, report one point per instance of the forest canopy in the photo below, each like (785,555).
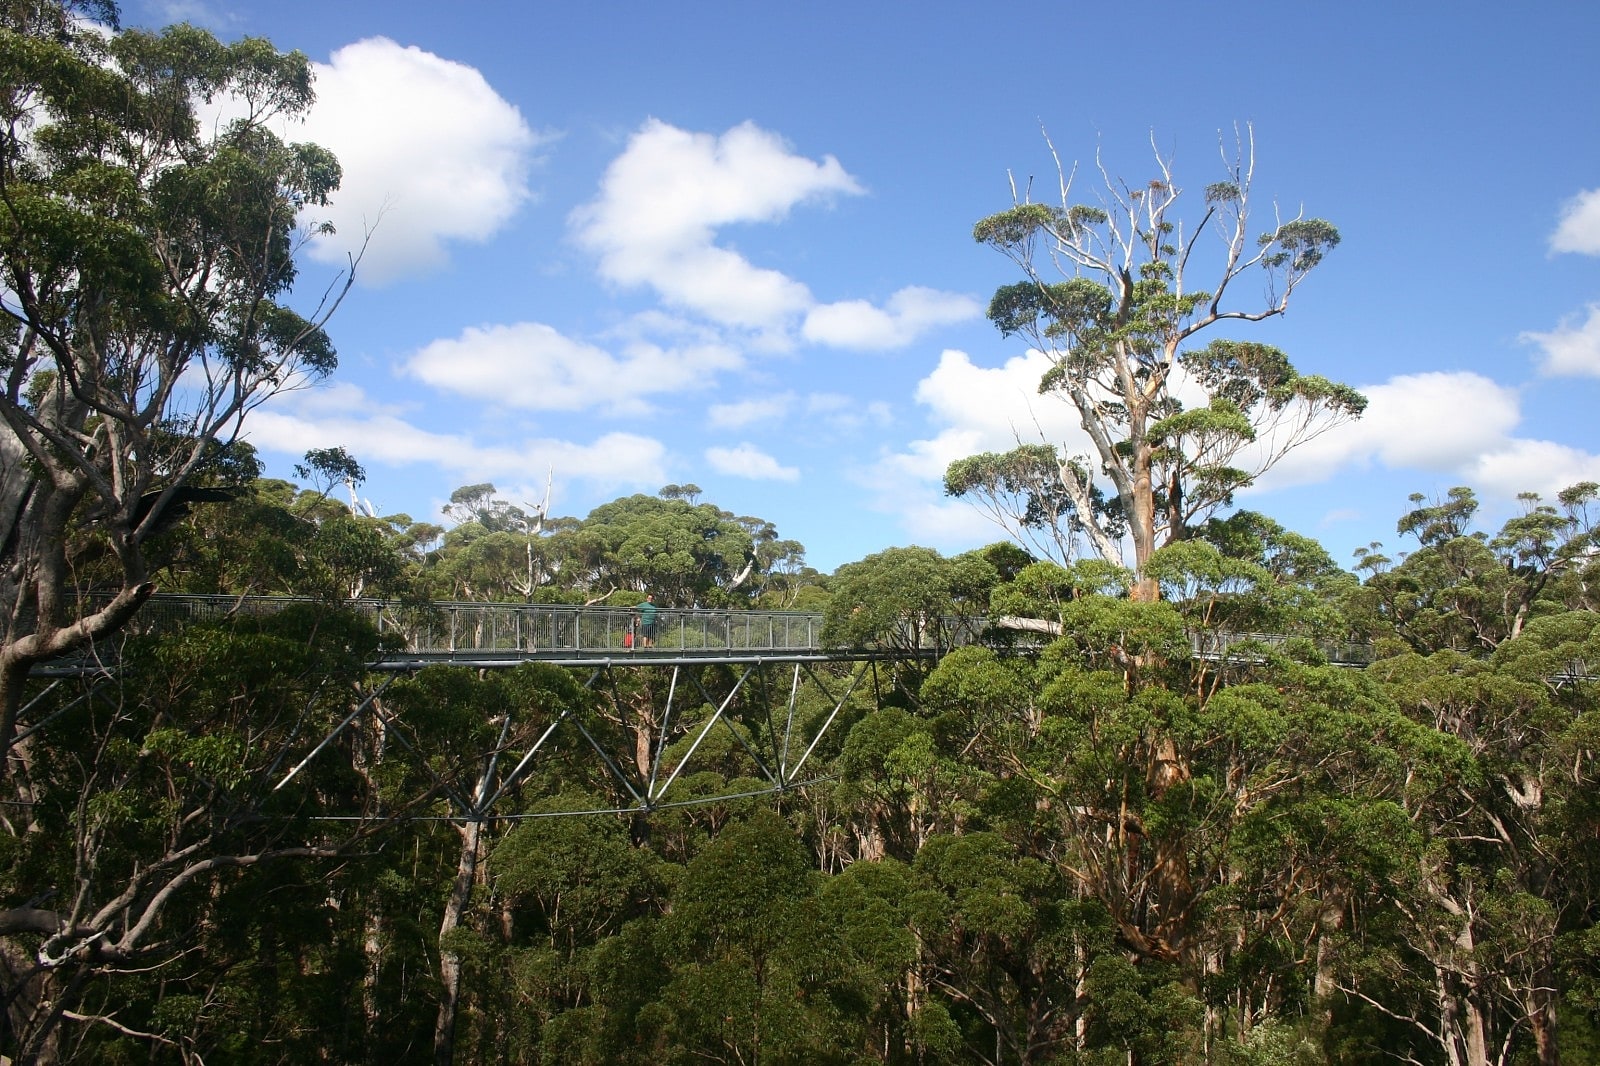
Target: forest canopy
(1233,804)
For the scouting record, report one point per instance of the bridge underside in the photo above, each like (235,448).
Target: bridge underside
(656,723)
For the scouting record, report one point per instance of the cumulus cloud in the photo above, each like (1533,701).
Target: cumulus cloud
(749,412)
(748,461)
(431,154)
(1541,466)
(973,409)
(657,220)
(909,313)
(994,407)
(1438,422)
(905,485)
(661,202)
(530,365)
(1435,421)
(1579,228)
(344,416)
(1570,350)
(1458,424)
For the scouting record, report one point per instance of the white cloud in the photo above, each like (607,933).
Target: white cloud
(431,154)
(749,412)
(748,461)
(530,365)
(999,406)
(1579,228)
(657,220)
(1570,350)
(377,434)
(974,409)
(1540,466)
(910,312)
(1458,424)
(1436,421)
(1439,421)
(908,485)
(661,202)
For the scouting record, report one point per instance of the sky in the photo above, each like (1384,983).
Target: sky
(607,247)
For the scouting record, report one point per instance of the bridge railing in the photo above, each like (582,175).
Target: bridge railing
(473,628)
(466,628)
(478,627)
(1214,645)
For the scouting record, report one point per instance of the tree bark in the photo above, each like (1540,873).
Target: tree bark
(450,967)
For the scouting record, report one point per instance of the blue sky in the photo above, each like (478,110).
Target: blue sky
(730,243)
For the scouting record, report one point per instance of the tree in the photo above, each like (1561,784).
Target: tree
(1470,592)
(689,555)
(1117,330)
(906,598)
(156,799)
(142,264)
(480,505)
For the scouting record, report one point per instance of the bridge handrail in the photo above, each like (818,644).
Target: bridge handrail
(468,627)
(463,626)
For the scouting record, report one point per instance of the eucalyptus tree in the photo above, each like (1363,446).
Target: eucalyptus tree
(1108,295)
(911,599)
(1494,865)
(144,261)
(157,802)
(1469,591)
(687,554)
(475,736)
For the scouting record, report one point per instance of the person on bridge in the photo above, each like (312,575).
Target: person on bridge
(646,614)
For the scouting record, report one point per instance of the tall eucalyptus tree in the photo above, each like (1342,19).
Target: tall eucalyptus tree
(1108,295)
(143,264)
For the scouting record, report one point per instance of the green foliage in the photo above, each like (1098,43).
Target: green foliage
(1115,327)
(905,598)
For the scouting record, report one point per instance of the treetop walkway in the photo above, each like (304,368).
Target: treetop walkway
(502,635)
(768,654)
(488,635)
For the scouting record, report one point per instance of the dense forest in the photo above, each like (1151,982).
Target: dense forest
(1080,839)
(1099,849)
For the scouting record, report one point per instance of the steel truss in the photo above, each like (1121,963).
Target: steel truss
(780,746)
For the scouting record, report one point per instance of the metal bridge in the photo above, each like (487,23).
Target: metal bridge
(647,749)
(491,635)
(501,635)
(649,752)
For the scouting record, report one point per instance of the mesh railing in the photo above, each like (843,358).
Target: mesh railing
(473,628)
(465,628)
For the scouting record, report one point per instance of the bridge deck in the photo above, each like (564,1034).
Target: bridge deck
(492,635)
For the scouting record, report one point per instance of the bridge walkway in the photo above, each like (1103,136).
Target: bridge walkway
(651,751)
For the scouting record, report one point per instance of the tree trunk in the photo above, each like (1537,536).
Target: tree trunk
(444,1030)
(1142,524)
(372,950)
(1542,1019)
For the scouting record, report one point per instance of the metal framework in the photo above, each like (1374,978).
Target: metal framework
(649,757)
(766,656)
(780,747)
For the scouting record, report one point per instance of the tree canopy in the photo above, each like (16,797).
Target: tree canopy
(145,264)
(1118,329)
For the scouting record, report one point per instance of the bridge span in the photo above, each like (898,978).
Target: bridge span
(648,749)
(502,635)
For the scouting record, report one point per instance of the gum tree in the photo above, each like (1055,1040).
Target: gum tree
(1109,294)
(144,258)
